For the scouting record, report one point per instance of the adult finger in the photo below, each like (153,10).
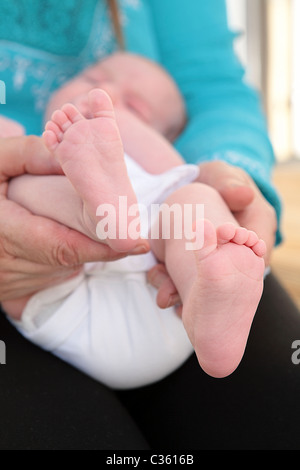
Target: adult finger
(43,241)
(21,155)
(260,217)
(234,184)
(19,278)
(167,295)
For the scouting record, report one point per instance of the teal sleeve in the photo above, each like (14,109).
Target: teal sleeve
(225,118)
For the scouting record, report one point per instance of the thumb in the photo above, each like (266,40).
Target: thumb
(27,154)
(237,196)
(44,241)
(232,183)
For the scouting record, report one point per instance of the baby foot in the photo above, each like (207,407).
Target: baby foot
(91,155)
(222,301)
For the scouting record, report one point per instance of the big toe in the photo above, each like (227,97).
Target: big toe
(100,104)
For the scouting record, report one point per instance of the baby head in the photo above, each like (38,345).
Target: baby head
(133,82)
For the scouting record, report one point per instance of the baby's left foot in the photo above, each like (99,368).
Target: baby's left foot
(220,306)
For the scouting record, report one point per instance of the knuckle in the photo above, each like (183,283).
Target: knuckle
(2,281)
(60,251)
(64,254)
(230,169)
(236,171)
(5,285)
(219,165)
(224,165)
(242,175)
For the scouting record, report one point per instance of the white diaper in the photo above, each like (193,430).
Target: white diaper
(106,322)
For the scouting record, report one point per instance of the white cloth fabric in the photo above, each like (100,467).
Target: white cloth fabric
(105,321)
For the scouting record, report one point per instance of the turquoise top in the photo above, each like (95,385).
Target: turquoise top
(44,43)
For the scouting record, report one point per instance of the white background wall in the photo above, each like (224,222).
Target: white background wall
(270,51)
(245,16)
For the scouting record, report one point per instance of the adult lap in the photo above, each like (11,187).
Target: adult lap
(50,405)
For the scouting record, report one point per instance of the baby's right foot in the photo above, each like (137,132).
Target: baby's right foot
(91,155)
(221,303)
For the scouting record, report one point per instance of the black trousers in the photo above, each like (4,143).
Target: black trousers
(46,404)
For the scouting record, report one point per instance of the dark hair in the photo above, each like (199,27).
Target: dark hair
(115,18)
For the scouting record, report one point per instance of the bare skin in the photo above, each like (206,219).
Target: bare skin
(36,252)
(219,307)
(249,208)
(220,282)
(100,180)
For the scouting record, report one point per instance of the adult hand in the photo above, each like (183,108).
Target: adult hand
(249,207)
(244,199)
(36,252)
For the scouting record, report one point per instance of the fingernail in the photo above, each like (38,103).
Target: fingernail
(156,278)
(139,250)
(235,184)
(173,300)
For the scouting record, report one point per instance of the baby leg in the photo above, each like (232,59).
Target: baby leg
(220,282)
(91,154)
